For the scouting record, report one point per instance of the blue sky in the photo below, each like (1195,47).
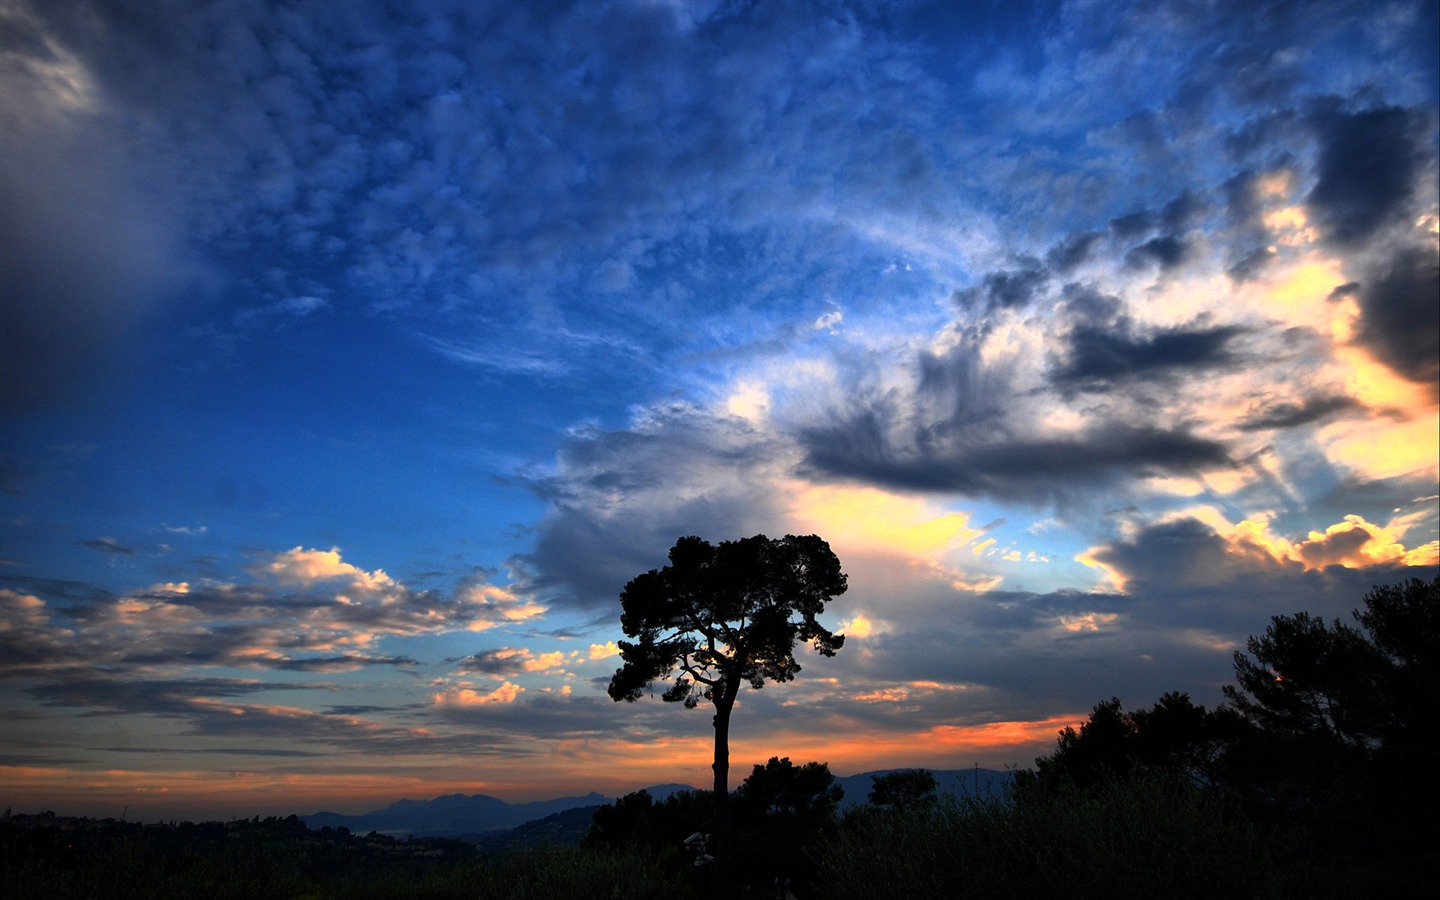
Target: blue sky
(355,355)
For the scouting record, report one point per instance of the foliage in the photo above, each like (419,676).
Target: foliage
(781,789)
(911,790)
(1324,741)
(1174,736)
(720,616)
(1355,690)
(782,811)
(1141,837)
(637,820)
(727,614)
(1311,680)
(1344,716)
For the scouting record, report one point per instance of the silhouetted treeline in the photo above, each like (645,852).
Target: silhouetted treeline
(1316,779)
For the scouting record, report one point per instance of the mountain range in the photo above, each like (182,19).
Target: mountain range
(475,815)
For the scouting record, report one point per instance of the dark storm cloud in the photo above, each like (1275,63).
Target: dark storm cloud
(1167,251)
(347,663)
(1038,469)
(1100,357)
(1008,288)
(1190,597)
(1370,174)
(1294,415)
(1366,172)
(1132,225)
(1400,312)
(1348,289)
(1073,250)
(1185,211)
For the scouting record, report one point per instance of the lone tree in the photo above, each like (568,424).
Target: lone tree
(718,617)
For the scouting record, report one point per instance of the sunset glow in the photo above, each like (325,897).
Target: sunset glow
(355,356)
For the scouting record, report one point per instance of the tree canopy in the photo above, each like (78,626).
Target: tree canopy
(725,614)
(911,789)
(1326,733)
(719,616)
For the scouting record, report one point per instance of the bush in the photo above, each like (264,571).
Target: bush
(1147,837)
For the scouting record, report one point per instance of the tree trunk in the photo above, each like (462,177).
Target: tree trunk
(721,766)
(724,702)
(724,829)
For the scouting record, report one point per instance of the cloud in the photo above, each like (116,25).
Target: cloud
(108,546)
(508,661)
(312,612)
(1015,287)
(1021,468)
(1100,356)
(1187,572)
(1070,252)
(1168,251)
(1353,543)
(1293,415)
(1400,323)
(1182,314)
(1367,171)
(604,651)
(304,568)
(491,606)
(30,642)
(468,697)
(619,499)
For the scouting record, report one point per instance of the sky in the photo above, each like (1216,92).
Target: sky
(356,355)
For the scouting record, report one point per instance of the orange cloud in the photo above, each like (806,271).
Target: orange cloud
(1353,543)
(307,567)
(605,650)
(1087,622)
(469,697)
(494,606)
(545,661)
(884,695)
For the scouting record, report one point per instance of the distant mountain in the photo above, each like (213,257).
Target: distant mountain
(481,818)
(566,828)
(453,815)
(960,782)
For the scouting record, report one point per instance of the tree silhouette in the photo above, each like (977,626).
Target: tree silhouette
(787,791)
(904,791)
(720,616)
(1305,679)
(1346,715)
(1175,737)
(782,811)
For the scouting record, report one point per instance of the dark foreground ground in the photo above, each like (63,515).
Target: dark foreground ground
(45,856)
